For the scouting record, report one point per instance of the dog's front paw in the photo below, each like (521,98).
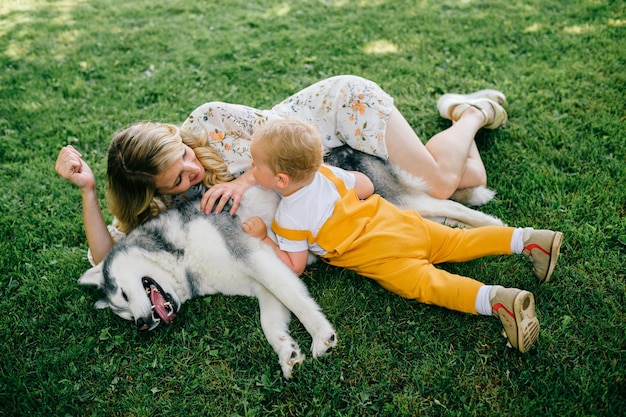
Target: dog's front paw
(290,359)
(324,345)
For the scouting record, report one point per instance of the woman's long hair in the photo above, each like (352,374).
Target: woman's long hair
(139,153)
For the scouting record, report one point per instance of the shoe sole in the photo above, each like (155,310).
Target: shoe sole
(554,255)
(526,320)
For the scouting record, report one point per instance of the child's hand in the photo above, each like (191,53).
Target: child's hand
(255,227)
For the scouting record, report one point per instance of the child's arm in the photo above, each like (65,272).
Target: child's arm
(255,227)
(363,185)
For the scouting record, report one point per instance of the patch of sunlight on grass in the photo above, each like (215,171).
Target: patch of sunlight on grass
(578,29)
(616,22)
(31,106)
(361,3)
(17,50)
(21,16)
(69,36)
(22,11)
(280,10)
(15,13)
(534,28)
(380,47)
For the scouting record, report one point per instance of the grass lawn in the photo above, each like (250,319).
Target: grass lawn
(75,71)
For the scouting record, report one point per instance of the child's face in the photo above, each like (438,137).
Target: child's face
(263,175)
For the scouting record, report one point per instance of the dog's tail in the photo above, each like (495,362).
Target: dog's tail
(473,196)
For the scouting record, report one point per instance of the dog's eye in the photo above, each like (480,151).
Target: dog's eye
(125,296)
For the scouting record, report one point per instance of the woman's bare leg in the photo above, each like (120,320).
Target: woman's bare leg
(449,160)
(474,174)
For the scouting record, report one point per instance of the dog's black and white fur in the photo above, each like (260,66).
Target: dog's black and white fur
(183,254)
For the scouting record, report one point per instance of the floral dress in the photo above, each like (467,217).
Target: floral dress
(346,109)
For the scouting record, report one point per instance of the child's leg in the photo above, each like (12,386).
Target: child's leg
(420,280)
(460,245)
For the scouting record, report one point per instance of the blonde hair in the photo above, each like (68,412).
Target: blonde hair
(140,152)
(290,146)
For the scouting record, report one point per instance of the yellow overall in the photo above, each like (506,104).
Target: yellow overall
(399,249)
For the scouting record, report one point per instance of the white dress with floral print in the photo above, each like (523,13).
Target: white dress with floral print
(347,110)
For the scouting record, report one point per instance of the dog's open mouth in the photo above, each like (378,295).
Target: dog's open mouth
(163,306)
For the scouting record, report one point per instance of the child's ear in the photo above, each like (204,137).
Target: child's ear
(282,180)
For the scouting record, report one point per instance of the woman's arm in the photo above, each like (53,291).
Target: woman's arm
(98,237)
(255,227)
(71,166)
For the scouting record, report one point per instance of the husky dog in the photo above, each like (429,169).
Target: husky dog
(184,253)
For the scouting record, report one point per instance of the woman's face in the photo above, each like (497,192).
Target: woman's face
(178,178)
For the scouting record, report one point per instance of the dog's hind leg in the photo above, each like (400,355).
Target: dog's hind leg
(275,319)
(451,212)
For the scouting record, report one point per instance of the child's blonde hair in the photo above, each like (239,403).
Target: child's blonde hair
(139,153)
(292,147)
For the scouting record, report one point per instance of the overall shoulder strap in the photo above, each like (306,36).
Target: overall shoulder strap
(328,173)
(292,234)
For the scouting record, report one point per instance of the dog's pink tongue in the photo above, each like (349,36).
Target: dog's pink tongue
(159,305)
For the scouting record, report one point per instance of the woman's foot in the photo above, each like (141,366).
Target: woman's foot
(489,102)
(494,115)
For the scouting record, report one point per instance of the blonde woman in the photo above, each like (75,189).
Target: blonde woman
(151,166)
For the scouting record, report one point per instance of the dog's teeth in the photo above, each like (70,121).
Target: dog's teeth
(147,291)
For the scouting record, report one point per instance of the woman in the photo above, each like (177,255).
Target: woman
(152,166)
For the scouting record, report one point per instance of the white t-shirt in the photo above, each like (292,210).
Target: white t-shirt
(309,208)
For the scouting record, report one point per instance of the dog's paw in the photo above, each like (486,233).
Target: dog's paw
(324,345)
(290,359)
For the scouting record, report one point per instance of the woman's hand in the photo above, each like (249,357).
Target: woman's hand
(255,227)
(217,196)
(70,165)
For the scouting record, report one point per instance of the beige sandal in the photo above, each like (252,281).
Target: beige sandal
(448,102)
(493,120)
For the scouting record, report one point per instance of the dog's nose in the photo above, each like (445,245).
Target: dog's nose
(141,324)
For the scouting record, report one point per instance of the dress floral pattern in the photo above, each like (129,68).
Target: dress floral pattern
(347,110)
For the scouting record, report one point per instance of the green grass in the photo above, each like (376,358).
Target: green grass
(75,71)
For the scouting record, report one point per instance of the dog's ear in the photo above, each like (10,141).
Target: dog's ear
(93,276)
